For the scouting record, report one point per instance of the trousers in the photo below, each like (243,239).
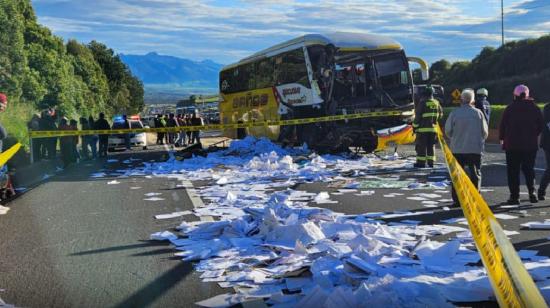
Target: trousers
(425,148)
(545,180)
(517,161)
(471,163)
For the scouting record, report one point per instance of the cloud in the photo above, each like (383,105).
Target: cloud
(228,30)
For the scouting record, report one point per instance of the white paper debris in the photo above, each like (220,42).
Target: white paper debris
(163,236)
(113,182)
(173,215)
(269,237)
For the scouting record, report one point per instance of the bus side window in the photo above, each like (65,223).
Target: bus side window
(264,73)
(227,81)
(243,78)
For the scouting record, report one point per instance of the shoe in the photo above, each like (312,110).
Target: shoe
(541,196)
(533,198)
(512,201)
(417,165)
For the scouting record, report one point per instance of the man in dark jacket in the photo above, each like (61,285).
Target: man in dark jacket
(520,127)
(172,122)
(47,122)
(483,104)
(102,124)
(427,114)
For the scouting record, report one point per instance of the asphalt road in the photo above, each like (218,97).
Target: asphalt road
(75,241)
(80,242)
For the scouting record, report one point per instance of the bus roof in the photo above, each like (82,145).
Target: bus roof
(343,41)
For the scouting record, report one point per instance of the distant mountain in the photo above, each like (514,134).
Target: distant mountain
(155,69)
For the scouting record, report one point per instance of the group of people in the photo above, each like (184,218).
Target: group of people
(180,138)
(46,148)
(523,129)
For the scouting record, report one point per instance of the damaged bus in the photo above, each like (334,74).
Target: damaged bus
(320,75)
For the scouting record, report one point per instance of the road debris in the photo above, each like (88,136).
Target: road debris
(270,241)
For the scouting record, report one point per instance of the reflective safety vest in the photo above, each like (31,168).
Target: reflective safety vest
(427,114)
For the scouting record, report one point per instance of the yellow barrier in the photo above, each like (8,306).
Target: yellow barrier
(7,155)
(511,282)
(64,133)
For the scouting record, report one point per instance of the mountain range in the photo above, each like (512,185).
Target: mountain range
(167,77)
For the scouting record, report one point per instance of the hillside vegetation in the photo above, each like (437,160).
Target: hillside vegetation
(38,70)
(500,69)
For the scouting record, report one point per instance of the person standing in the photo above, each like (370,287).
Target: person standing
(65,143)
(158,124)
(188,132)
(92,138)
(85,138)
(468,130)
(181,134)
(545,146)
(427,114)
(483,104)
(47,123)
(126,125)
(196,120)
(171,122)
(102,124)
(34,125)
(520,127)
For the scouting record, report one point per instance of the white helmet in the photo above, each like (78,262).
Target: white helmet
(483,92)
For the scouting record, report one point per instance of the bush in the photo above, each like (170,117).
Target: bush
(15,119)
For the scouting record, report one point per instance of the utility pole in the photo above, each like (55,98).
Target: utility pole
(502,19)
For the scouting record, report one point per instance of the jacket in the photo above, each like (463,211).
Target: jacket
(427,114)
(485,107)
(468,129)
(520,126)
(545,140)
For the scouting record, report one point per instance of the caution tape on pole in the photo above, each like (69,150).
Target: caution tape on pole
(512,284)
(7,155)
(65,133)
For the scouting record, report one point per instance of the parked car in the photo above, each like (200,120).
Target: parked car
(116,141)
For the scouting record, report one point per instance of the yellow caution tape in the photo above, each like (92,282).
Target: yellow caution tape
(7,155)
(512,284)
(65,133)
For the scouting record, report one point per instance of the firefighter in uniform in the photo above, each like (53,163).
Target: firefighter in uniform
(427,114)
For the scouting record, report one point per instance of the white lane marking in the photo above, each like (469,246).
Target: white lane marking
(195,198)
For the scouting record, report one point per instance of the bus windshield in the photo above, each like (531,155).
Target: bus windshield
(373,81)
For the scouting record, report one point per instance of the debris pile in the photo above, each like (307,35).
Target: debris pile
(269,241)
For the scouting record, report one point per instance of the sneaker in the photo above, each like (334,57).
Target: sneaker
(512,201)
(417,165)
(541,196)
(533,198)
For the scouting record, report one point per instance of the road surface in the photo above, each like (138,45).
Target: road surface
(76,241)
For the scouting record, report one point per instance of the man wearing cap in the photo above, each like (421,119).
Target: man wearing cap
(3,106)
(483,104)
(520,127)
(467,129)
(427,114)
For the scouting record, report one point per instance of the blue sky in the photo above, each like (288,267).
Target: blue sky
(226,31)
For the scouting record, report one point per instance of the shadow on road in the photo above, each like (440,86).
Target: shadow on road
(119,248)
(156,288)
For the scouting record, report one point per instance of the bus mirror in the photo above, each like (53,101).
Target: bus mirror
(424,67)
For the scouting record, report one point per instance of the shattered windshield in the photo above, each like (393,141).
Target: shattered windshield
(392,71)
